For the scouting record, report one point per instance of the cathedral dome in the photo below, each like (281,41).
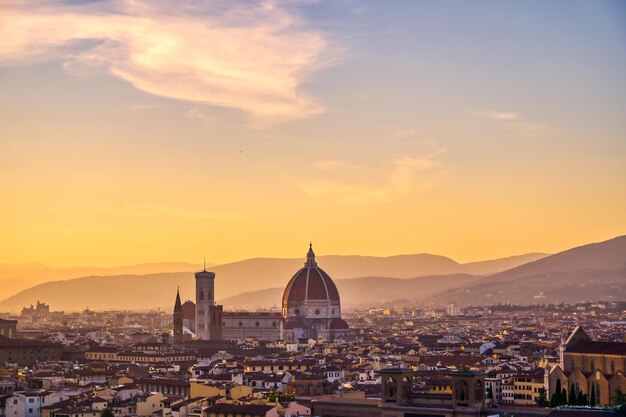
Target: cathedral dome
(310,283)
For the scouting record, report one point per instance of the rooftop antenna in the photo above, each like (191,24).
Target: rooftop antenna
(205,264)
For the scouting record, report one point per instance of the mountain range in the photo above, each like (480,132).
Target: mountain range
(17,277)
(590,272)
(144,291)
(587,273)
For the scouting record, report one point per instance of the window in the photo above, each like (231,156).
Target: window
(201,295)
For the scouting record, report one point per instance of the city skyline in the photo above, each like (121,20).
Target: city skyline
(140,132)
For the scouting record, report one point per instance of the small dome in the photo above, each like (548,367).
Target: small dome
(339,324)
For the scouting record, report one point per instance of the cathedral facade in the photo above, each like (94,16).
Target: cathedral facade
(311,308)
(595,369)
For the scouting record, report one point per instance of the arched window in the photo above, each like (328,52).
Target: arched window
(480,391)
(406,387)
(390,389)
(462,391)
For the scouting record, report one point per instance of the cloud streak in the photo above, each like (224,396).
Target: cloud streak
(253,57)
(354,184)
(514,123)
(497,115)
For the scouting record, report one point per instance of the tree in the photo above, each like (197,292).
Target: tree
(542,400)
(490,393)
(563,396)
(592,400)
(556,398)
(572,397)
(618,397)
(107,413)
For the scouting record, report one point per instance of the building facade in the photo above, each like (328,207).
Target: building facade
(311,309)
(588,365)
(8,327)
(28,352)
(260,325)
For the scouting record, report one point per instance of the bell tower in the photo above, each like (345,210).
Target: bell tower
(208,314)
(205,299)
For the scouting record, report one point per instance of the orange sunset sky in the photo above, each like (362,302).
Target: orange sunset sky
(139,131)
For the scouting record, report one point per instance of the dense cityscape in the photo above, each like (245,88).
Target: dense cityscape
(312,208)
(201,361)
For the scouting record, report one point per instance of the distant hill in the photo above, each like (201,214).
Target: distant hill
(366,291)
(589,272)
(105,292)
(17,277)
(155,290)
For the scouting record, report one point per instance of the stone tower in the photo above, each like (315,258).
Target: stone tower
(468,389)
(208,315)
(178,319)
(397,385)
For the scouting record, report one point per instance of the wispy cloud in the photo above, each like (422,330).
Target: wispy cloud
(183,213)
(405,176)
(405,133)
(200,115)
(253,57)
(334,166)
(148,210)
(356,184)
(142,107)
(497,115)
(515,123)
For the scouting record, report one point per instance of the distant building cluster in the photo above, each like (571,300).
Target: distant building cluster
(39,310)
(311,308)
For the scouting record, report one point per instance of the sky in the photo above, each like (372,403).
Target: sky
(136,131)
